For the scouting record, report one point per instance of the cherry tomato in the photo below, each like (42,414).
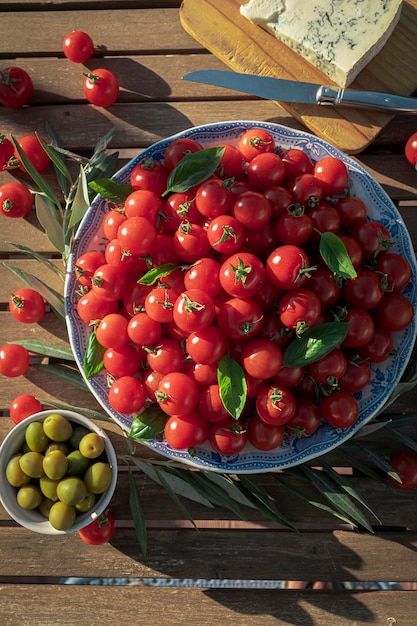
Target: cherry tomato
(255,141)
(168,356)
(394,313)
(214,197)
(404,463)
(191,242)
(177,393)
(299,309)
(231,162)
(178,149)
(333,175)
(307,190)
(340,409)
(27,305)
(287,266)
(379,348)
(149,174)
(86,264)
(280,199)
(373,237)
(15,199)
(275,405)
(352,211)
(91,307)
(396,270)
(364,291)
(143,330)
(34,151)
(294,226)
(186,431)
(159,304)
(127,395)
(109,282)
(264,436)
(210,404)
(242,275)
(123,361)
(78,46)
(324,219)
(112,221)
(14,360)
(240,318)
(322,282)
(252,209)
(226,234)
(261,358)
(137,235)
(23,406)
(356,377)
(101,87)
(228,437)
(361,327)
(353,249)
(193,310)
(206,345)
(329,368)
(144,203)
(297,162)
(266,170)
(204,274)
(112,332)
(306,419)
(100,531)
(16,87)
(411,149)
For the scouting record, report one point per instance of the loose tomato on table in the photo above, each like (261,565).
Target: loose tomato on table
(100,531)
(27,305)
(101,87)
(411,149)
(33,150)
(404,464)
(14,360)
(15,199)
(78,46)
(16,87)
(6,151)
(23,406)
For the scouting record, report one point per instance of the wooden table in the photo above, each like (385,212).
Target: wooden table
(227,570)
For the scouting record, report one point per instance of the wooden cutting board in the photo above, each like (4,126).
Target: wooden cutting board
(247,48)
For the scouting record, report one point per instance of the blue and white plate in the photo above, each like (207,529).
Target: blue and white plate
(385,376)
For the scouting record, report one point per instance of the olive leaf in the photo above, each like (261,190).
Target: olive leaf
(232,385)
(49,221)
(335,255)
(81,200)
(193,169)
(47,348)
(315,343)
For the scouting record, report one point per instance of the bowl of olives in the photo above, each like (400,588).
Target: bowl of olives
(58,472)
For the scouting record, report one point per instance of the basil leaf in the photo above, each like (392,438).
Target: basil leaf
(149,424)
(193,169)
(232,385)
(111,189)
(315,343)
(155,273)
(93,356)
(335,255)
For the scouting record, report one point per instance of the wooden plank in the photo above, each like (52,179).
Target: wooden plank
(247,48)
(127,31)
(36,605)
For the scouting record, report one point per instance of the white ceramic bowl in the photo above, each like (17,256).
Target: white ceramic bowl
(385,376)
(33,519)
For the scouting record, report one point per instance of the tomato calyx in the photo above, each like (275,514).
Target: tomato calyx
(256,141)
(228,233)
(191,305)
(93,78)
(241,271)
(7,80)
(8,206)
(19,303)
(384,243)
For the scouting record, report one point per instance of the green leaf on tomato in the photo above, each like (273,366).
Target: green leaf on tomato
(232,383)
(93,356)
(193,169)
(111,189)
(151,277)
(335,255)
(315,343)
(149,424)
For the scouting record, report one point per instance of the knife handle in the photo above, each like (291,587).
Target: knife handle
(366,99)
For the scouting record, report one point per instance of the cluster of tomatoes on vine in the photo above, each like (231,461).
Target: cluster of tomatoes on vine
(245,280)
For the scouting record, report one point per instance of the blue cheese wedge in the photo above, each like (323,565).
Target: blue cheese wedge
(338,37)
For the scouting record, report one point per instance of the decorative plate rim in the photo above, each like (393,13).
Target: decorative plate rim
(385,376)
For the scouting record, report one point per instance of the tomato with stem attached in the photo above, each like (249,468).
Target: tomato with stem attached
(27,305)
(404,464)
(15,199)
(16,87)
(100,531)
(101,87)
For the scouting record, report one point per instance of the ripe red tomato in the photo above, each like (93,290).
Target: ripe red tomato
(296,162)
(109,282)
(100,531)
(324,285)
(252,209)
(23,406)
(356,377)
(329,368)
(127,395)
(210,404)
(204,275)
(228,437)
(101,87)
(404,463)
(226,234)
(15,199)
(240,319)
(264,436)
(91,307)
(379,348)
(265,170)
(178,149)
(112,221)
(306,418)
(299,309)
(191,242)
(214,197)
(394,313)
(144,203)
(275,404)
(177,393)
(193,310)
(242,275)
(149,174)
(27,305)
(186,431)
(231,163)
(411,149)
(16,87)
(14,360)
(288,266)
(361,328)
(168,356)
(373,237)
(261,358)
(111,332)
(206,345)
(395,269)
(255,141)
(324,219)
(86,264)
(333,175)
(34,151)
(365,290)
(78,46)
(137,235)
(340,409)
(352,211)
(123,361)
(143,330)
(6,151)
(307,190)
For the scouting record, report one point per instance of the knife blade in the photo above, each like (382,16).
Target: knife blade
(293,91)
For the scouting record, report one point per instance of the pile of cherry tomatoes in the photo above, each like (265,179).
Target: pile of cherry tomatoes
(236,278)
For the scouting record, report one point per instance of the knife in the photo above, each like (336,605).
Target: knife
(305,93)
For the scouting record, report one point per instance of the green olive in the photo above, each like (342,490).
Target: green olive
(55,464)
(71,490)
(31,463)
(57,427)
(87,504)
(35,437)
(57,445)
(48,486)
(45,507)
(77,463)
(98,477)
(62,516)
(91,445)
(14,473)
(29,496)
(77,434)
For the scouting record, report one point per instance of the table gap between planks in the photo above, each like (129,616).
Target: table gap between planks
(227,569)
